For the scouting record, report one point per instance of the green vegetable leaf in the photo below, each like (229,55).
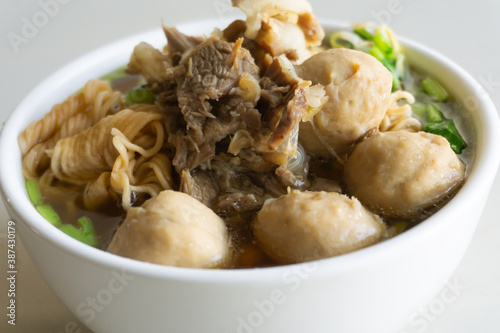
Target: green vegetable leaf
(377,53)
(34,192)
(448,130)
(434,89)
(383,44)
(420,110)
(433,114)
(139,96)
(49,214)
(363,33)
(85,233)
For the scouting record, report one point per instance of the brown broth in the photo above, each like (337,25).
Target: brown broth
(67,202)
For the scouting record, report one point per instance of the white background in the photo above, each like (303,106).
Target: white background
(466,31)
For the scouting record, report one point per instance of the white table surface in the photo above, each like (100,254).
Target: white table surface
(464,30)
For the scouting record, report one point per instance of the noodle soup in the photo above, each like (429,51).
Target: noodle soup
(287,157)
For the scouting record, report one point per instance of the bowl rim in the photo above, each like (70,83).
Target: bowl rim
(485,164)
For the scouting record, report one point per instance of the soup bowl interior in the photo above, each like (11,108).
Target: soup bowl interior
(377,289)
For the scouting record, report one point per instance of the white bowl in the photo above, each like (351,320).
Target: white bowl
(377,289)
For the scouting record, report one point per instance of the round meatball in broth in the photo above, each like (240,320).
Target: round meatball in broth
(305,226)
(358,87)
(400,173)
(173,229)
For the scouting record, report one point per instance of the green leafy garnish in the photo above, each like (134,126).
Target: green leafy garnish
(383,44)
(448,130)
(436,123)
(377,53)
(376,43)
(390,65)
(85,233)
(419,110)
(363,33)
(337,41)
(49,214)
(434,89)
(139,96)
(34,192)
(433,114)
(433,119)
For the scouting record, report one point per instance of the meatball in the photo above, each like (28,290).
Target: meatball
(304,226)
(358,87)
(400,173)
(173,229)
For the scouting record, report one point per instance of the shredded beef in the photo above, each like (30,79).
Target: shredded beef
(224,185)
(210,107)
(215,97)
(178,43)
(200,185)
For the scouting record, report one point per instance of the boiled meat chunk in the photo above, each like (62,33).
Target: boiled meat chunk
(173,229)
(358,87)
(282,27)
(305,226)
(400,173)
